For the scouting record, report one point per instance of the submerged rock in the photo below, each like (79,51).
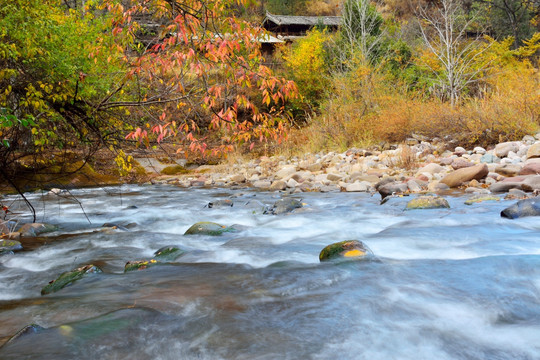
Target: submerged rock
(208,228)
(68,278)
(220,204)
(168,253)
(139,265)
(27,330)
(523,208)
(428,202)
(35,229)
(348,249)
(283,206)
(481,198)
(8,246)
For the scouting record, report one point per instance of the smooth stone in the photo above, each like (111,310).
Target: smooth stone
(427,202)
(262,184)
(278,185)
(508,169)
(531,183)
(334,177)
(286,171)
(479,150)
(392,189)
(238,178)
(329,188)
(523,208)
(291,183)
(284,205)
(502,149)
(431,168)
(481,198)
(534,151)
(461,163)
(168,253)
(458,177)
(69,278)
(413,186)
(528,139)
(356,187)
(345,250)
(502,187)
(516,194)
(220,204)
(208,228)
(530,168)
(489,158)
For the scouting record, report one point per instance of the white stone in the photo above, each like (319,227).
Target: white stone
(356,187)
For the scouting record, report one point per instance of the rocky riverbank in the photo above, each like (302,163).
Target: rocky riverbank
(416,167)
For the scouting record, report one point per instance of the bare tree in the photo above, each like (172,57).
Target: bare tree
(361,30)
(444,31)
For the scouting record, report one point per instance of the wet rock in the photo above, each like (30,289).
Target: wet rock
(481,198)
(35,229)
(69,277)
(345,250)
(284,205)
(208,228)
(8,246)
(458,177)
(531,183)
(220,204)
(393,189)
(502,149)
(523,208)
(516,194)
(168,253)
(27,330)
(427,202)
(140,265)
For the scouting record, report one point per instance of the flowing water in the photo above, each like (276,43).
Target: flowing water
(459,283)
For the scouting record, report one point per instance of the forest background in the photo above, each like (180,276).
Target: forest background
(80,77)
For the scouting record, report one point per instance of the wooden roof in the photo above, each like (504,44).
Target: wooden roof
(301,20)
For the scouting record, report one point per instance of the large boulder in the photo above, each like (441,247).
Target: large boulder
(427,202)
(458,177)
(345,250)
(208,228)
(523,208)
(69,277)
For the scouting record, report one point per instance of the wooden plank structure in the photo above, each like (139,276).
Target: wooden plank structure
(289,27)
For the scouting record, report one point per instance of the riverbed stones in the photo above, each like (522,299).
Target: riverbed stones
(531,167)
(357,186)
(393,188)
(502,149)
(534,151)
(208,228)
(8,246)
(69,278)
(531,183)
(461,163)
(345,250)
(278,185)
(508,169)
(427,202)
(523,208)
(458,177)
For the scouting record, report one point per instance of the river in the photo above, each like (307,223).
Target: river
(458,283)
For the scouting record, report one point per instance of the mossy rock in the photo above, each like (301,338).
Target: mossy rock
(345,250)
(27,330)
(174,170)
(69,277)
(35,229)
(208,228)
(427,202)
(168,253)
(140,265)
(481,198)
(7,246)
